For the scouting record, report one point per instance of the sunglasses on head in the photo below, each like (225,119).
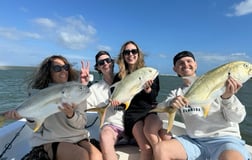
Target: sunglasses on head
(58,68)
(127,52)
(102,62)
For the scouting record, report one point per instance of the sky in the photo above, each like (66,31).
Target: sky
(216,31)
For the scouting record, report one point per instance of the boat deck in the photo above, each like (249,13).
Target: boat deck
(20,141)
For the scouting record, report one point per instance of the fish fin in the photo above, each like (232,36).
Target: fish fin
(38,124)
(170,121)
(127,105)
(206,110)
(2,120)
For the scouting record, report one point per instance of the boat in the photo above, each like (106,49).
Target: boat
(15,138)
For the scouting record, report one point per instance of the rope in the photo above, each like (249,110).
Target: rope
(87,126)
(9,145)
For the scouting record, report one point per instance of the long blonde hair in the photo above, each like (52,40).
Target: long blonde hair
(123,66)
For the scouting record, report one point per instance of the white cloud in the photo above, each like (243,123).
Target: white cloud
(14,34)
(71,32)
(162,55)
(45,22)
(242,54)
(220,57)
(75,33)
(243,8)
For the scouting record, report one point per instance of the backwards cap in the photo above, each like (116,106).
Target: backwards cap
(181,55)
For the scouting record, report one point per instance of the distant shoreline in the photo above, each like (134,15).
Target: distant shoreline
(16,67)
(34,67)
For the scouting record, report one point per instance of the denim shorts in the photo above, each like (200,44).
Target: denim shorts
(211,148)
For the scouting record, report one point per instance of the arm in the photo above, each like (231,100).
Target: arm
(233,109)
(75,115)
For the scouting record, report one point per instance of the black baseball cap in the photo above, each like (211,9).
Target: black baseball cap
(181,55)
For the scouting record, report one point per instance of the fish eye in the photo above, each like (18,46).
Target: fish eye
(246,65)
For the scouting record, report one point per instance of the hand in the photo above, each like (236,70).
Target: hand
(179,102)
(232,87)
(114,103)
(68,109)
(84,73)
(12,115)
(147,86)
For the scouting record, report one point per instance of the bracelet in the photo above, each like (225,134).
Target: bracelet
(224,98)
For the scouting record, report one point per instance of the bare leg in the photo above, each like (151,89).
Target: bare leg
(152,125)
(169,150)
(67,151)
(108,138)
(164,135)
(94,153)
(230,155)
(145,147)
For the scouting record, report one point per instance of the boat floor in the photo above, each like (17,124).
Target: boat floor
(128,152)
(20,145)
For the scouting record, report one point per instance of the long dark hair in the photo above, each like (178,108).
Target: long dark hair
(42,76)
(100,53)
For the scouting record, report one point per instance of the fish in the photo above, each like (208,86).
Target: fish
(47,101)
(208,87)
(127,88)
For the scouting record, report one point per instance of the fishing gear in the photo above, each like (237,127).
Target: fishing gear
(9,145)
(90,125)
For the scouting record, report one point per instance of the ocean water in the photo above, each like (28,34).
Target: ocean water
(13,91)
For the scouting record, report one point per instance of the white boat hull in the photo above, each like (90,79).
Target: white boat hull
(20,145)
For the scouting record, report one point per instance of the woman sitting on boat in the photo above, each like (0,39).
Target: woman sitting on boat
(62,135)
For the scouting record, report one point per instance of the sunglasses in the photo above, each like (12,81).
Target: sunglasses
(58,68)
(102,62)
(127,52)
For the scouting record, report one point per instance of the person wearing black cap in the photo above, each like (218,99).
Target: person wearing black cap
(215,137)
(112,129)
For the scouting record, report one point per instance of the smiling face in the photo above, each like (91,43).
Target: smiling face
(105,64)
(130,54)
(59,76)
(185,67)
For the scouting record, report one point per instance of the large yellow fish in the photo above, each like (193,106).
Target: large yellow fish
(46,102)
(209,86)
(127,88)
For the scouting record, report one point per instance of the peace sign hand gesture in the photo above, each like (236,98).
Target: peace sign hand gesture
(84,73)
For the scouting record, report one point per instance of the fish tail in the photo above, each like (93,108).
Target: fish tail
(206,110)
(101,111)
(171,116)
(159,109)
(2,120)
(102,116)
